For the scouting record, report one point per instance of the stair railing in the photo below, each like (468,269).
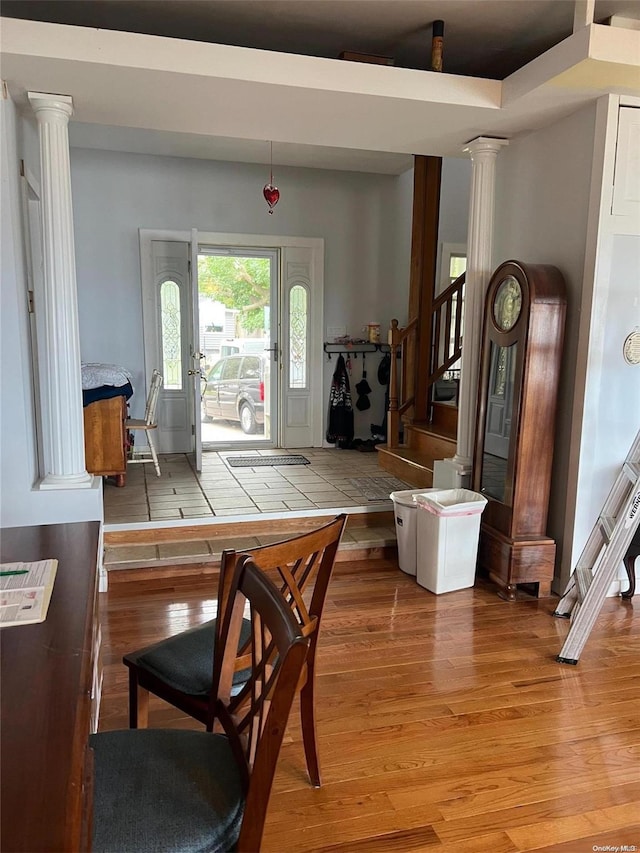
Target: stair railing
(445,350)
(446,330)
(402,343)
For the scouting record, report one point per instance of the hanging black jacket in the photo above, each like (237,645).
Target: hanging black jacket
(340,419)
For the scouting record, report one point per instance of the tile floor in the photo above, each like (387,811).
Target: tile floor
(221,491)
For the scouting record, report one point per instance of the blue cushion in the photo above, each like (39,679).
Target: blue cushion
(185,662)
(165,790)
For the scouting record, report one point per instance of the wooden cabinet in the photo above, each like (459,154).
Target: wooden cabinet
(519,375)
(51,683)
(105,438)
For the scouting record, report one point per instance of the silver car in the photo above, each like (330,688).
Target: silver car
(235,391)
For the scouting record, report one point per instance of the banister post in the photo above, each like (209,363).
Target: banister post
(393,422)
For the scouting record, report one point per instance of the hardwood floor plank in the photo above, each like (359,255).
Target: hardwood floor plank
(623,839)
(402,841)
(611,822)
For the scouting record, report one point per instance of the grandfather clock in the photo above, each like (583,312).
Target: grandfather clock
(517,395)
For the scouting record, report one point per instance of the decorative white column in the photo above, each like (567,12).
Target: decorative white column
(456,472)
(59,366)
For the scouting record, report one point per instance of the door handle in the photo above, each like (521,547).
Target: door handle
(274,350)
(194,373)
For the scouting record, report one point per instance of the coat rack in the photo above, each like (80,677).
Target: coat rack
(353,349)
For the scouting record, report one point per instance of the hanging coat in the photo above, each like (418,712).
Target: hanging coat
(340,419)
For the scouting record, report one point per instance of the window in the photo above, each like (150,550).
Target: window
(457,265)
(298,336)
(171,337)
(232,368)
(216,370)
(251,368)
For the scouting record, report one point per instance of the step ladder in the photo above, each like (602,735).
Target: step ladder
(601,558)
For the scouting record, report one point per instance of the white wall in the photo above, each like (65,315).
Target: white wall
(365,220)
(547,185)
(21,504)
(610,417)
(115,194)
(542,202)
(454,210)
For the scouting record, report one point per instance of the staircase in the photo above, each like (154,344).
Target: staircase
(412,461)
(421,424)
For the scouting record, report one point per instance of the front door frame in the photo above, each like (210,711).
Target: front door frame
(316,247)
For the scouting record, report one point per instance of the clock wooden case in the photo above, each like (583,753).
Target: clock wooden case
(518,390)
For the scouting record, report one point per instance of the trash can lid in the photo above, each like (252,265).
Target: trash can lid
(406,497)
(451,502)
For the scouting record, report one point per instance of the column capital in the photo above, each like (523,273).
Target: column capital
(59,105)
(484,144)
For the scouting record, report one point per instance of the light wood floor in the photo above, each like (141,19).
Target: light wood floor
(445,723)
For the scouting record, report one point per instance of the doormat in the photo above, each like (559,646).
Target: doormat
(257,461)
(377,488)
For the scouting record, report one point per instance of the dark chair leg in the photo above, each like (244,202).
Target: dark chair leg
(630,565)
(309,737)
(138,703)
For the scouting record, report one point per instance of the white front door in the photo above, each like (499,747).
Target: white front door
(300,347)
(172,334)
(166,309)
(196,355)
(237,299)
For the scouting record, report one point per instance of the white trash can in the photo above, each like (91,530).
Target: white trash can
(448,530)
(405,511)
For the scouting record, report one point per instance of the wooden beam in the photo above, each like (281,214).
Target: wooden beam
(424,251)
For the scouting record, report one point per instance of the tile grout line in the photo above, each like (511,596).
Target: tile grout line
(197,479)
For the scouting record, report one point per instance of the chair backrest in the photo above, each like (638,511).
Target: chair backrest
(295,566)
(255,719)
(152,398)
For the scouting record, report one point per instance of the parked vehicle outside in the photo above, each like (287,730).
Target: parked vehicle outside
(235,391)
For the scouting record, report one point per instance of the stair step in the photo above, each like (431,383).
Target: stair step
(413,466)
(203,553)
(430,441)
(445,417)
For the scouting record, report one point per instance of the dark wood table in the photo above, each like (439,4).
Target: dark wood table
(48,671)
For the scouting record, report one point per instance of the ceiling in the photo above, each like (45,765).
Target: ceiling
(482,39)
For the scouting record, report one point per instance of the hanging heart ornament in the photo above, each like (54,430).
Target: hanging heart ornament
(271,195)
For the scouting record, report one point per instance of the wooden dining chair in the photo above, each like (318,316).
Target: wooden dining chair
(170,789)
(149,423)
(179,669)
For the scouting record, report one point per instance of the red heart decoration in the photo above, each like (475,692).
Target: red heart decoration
(271,195)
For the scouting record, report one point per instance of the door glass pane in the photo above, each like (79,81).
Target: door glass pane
(171,336)
(298,336)
(234,301)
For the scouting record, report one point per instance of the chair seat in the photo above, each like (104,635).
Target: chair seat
(184,661)
(165,790)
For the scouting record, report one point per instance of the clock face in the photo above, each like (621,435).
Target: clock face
(631,348)
(507,303)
